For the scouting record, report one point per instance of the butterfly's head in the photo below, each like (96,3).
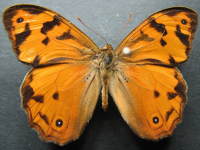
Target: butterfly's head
(107,47)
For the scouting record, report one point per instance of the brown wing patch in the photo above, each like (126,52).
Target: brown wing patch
(159,27)
(45,41)
(163,42)
(27,93)
(184,38)
(156,94)
(45,118)
(49,25)
(65,35)
(171,95)
(168,114)
(38,98)
(55,96)
(21,37)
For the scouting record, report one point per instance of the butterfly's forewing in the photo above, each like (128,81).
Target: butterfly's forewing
(42,37)
(164,38)
(58,93)
(147,88)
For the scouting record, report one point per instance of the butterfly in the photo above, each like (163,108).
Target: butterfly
(69,71)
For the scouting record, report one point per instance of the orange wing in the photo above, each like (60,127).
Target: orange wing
(58,92)
(148,90)
(43,37)
(60,100)
(164,38)
(150,98)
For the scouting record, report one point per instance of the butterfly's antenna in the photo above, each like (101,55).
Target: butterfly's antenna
(123,28)
(91,29)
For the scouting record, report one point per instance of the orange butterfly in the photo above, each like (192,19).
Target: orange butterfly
(61,91)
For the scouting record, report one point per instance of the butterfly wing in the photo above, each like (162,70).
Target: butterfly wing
(43,37)
(150,98)
(57,93)
(60,100)
(148,90)
(164,38)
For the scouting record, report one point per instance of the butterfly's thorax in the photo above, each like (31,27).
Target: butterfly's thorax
(106,59)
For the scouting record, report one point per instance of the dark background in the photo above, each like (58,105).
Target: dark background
(105,130)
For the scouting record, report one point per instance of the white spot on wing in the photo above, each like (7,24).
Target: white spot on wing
(126,50)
